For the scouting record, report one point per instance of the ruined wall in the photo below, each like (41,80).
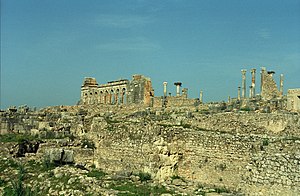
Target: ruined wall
(269,88)
(293,100)
(251,123)
(140,90)
(175,101)
(216,151)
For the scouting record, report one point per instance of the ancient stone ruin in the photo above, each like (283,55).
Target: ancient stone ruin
(138,91)
(248,145)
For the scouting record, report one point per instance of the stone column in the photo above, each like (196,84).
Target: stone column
(250,91)
(243,83)
(110,97)
(253,71)
(122,96)
(239,93)
(178,85)
(116,98)
(201,97)
(165,88)
(262,72)
(281,84)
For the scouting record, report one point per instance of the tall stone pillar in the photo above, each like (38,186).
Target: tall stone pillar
(178,85)
(122,97)
(253,72)
(110,98)
(201,97)
(165,88)
(243,83)
(116,98)
(281,84)
(262,73)
(239,93)
(251,91)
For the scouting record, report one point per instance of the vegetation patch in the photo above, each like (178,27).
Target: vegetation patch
(265,142)
(4,164)
(14,137)
(144,176)
(98,174)
(187,126)
(17,186)
(177,177)
(222,190)
(128,188)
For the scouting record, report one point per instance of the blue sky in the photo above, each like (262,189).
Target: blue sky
(49,46)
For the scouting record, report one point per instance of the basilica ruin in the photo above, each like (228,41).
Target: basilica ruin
(136,91)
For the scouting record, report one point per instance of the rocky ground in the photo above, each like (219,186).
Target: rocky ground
(36,175)
(148,151)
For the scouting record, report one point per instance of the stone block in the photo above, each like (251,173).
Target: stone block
(60,155)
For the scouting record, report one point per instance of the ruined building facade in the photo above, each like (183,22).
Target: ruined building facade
(269,89)
(293,100)
(138,90)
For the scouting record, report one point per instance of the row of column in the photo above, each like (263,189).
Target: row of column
(177,84)
(113,98)
(252,87)
(107,97)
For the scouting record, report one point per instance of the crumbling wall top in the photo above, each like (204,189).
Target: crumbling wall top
(89,82)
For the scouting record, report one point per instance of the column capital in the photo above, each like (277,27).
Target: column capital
(177,83)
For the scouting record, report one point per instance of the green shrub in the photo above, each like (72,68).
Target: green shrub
(2,182)
(144,176)
(222,190)
(265,142)
(18,188)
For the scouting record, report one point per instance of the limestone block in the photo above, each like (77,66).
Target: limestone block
(60,155)
(34,132)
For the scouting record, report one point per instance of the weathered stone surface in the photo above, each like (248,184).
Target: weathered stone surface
(293,100)
(60,155)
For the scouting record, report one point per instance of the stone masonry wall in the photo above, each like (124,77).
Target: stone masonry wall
(260,160)
(175,101)
(269,87)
